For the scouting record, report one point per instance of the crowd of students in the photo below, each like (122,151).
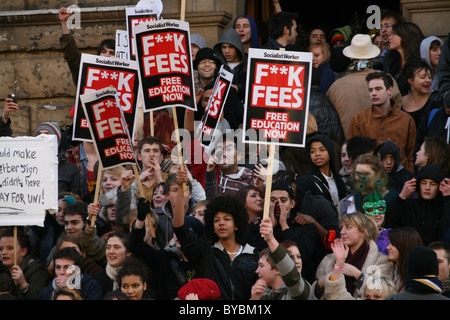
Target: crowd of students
(362,212)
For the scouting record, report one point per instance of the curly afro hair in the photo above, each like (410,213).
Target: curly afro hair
(229,205)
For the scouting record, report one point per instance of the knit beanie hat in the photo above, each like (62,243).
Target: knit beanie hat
(52,127)
(206,289)
(422,262)
(431,171)
(423,270)
(283,185)
(206,53)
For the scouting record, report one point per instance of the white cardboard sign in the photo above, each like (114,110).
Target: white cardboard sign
(28,179)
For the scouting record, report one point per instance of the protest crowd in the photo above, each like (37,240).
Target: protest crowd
(360,212)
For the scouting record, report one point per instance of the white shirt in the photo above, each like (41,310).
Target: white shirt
(332,188)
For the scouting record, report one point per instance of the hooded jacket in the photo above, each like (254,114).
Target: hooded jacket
(253,28)
(425,55)
(431,218)
(314,180)
(437,122)
(231,36)
(399,175)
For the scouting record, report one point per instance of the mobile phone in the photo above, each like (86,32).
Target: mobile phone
(13,97)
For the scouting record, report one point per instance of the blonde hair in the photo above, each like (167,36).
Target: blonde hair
(326,50)
(383,285)
(362,223)
(114,171)
(73,293)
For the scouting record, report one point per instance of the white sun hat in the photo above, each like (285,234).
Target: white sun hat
(361,48)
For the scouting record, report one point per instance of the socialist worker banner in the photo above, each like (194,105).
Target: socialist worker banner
(163,52)
(98,72)
(214,110)
(277,97)
(108,128)
(138,15)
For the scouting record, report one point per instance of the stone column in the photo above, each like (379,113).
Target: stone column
(432,16)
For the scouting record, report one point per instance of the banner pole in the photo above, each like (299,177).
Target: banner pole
(97,189)
(180,153)
(269,181)
(152,129)
(183,10)
(15,245)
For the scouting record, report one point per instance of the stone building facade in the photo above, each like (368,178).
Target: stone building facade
(32,66)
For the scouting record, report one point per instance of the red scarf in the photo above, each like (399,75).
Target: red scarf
(356,259)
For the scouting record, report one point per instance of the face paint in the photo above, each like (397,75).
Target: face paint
(374,208)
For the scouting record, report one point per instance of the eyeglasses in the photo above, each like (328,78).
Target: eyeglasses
(374,208)
(385,26)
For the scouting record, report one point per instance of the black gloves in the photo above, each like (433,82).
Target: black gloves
(143,208)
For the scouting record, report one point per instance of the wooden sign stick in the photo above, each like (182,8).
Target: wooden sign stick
(180,153)
(269,181)
(152,129)
(183,10)
(15,245)
(97,190)
(142,193)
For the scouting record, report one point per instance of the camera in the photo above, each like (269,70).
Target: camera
(13,97)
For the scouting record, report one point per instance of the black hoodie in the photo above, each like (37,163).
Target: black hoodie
(431,218)
(399,175)
(314,180)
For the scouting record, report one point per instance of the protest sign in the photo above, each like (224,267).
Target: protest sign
(277,96)
(165,64)
(214,110)
(277,102)
(138,15)
(122,45)
(98,72)
(28,179)
(108,128)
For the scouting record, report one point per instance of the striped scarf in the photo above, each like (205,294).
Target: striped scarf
(428,283)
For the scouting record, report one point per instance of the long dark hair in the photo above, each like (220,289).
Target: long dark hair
(404,239)
(411,36)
